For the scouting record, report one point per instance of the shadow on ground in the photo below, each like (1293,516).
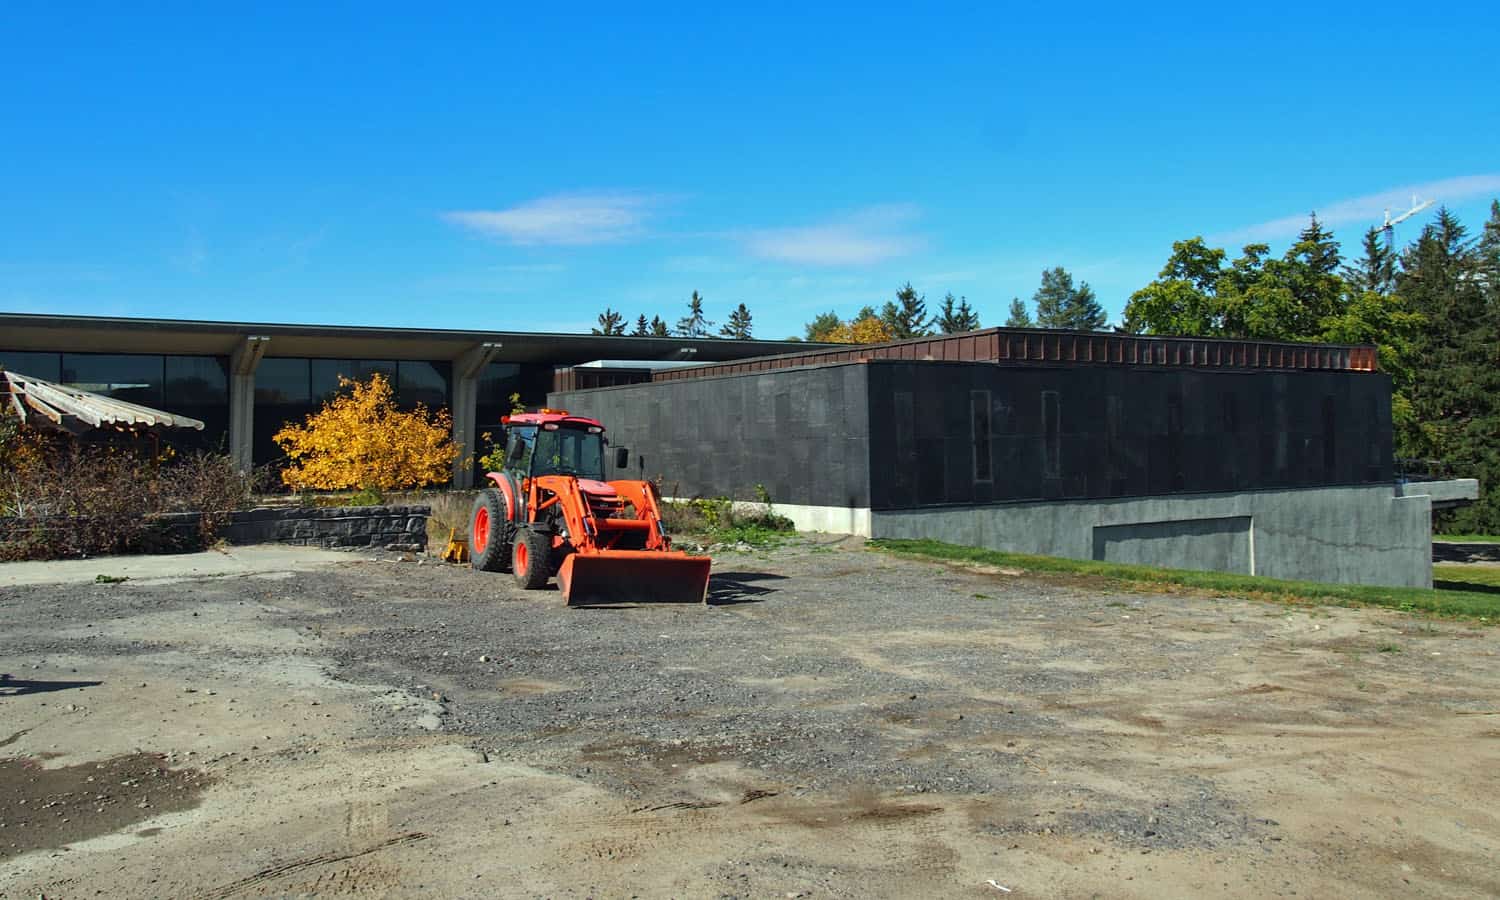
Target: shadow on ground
(10,687)
(1465,553)
(727,588)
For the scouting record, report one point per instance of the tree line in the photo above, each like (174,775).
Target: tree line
(1059,303)
(1432,308)
(693,325)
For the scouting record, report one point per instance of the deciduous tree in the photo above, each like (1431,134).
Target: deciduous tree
(360,439)
(822,325)
(864,328)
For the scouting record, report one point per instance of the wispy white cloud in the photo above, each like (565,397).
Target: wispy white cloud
(564,219)
(869,236)
(1369,209)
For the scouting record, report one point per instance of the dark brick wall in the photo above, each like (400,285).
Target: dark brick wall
(893,434)
(802,433)
(978,433)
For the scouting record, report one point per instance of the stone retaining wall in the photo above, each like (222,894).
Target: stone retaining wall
(397,527)
(390,527)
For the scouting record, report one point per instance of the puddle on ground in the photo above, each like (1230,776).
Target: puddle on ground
(45,809)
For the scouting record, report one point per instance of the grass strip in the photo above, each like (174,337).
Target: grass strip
(1467,538)
(1462,593)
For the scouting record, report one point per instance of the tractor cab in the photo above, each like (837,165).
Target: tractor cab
(552,442)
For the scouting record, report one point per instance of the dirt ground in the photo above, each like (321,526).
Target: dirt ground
(837,723)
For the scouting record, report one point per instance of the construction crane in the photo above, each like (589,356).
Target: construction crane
(1390,224)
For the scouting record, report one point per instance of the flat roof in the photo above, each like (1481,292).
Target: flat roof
(1051,347)
(104,334)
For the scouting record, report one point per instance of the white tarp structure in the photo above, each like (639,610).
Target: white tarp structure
(47,404)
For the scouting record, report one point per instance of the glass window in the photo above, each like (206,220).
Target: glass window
(326,374)
(386,367)
(282,381)
(422,382)
(132,378)
(197,381)
(518,452)
(497,383)
(46,366)
(569,451)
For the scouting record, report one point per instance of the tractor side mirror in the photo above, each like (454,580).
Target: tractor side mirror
(622,457)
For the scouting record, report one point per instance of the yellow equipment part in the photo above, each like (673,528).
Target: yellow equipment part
(457,550)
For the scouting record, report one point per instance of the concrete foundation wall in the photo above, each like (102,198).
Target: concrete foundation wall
(826,519)
(1346,535)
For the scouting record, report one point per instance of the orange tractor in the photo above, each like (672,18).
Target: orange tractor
(550,511)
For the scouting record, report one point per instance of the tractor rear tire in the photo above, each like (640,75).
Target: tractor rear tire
(488,525)
(531,559)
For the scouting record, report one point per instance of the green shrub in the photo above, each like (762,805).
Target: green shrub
(719,519)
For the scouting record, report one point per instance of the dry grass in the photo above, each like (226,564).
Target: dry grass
(450,513)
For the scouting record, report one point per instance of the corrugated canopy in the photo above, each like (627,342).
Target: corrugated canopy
(47,404)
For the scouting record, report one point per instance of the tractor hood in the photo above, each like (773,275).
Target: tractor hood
(596,488)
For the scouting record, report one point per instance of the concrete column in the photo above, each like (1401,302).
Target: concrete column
(242,363)
(466,371)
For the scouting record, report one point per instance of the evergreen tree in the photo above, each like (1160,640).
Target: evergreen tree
(1084,312)
(956,316)
(906,316)
(1061,305)
(641,328)
(1309,274)
(1019,316)
(1051,296)
(738,326)
(610,323)
(694,324)
(659,327)
(1316,246)
(822,326)
(1489,254)
(1376,270)
(1455,392)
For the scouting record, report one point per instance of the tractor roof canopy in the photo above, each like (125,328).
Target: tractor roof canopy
(553,417)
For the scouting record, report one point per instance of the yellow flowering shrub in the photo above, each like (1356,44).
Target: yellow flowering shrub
(359,439)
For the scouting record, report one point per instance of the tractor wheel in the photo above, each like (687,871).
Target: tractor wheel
(488,550)
(531,559)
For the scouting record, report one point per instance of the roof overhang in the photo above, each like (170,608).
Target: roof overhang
(91,334)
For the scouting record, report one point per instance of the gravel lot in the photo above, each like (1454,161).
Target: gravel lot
(837,722)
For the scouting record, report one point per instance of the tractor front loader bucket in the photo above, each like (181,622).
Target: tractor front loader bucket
(633,576)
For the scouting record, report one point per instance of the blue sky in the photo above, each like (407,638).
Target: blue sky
(487,166)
